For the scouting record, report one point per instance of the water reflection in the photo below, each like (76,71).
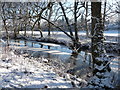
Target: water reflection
(48,47)
(78,64)
(71,61)
(32,44)
(41,46)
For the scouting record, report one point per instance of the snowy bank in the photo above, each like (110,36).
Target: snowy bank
(19,72)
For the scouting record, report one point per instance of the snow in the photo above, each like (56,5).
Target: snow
(111,33)
(60,34)
(20,72)
(115,65)
(99,67)
(108,32)
(95,82)
(49,44)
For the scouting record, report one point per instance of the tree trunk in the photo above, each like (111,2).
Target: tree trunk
(75,20)
(49,17)
(7,34)
(25,28)
(40,29)
(101,70)
(104,14)
(96,28)
(75,27)
(86,15)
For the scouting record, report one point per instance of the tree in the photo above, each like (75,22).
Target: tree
(4,19)
(49,17)
(75,25)
(101,70)
(39,17)
(75,39)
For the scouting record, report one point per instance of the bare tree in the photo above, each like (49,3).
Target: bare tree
(86,15)
(39,15)
(49,17)
(69,28)
(101,61)
(4,19)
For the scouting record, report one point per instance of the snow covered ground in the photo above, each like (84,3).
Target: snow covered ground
(106,33)
(17,71)
(111,35)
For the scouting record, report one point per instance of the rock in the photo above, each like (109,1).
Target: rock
(45,60)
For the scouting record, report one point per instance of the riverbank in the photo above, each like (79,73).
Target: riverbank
(17,71)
